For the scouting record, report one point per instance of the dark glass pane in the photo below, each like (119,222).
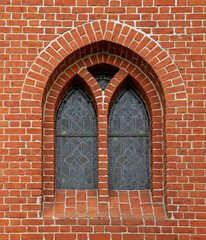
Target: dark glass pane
(128,163)
(128,143)
(128,114)
(103,73)
(76,163)
(103,79)
(76,142)
(76,114)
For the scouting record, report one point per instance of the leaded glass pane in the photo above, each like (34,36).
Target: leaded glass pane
(76,115)
(76,142)
(128,114)
(103,79)
(128,143)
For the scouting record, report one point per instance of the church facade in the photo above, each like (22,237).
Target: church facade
(103,119)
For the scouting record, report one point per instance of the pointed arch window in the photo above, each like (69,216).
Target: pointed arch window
(128,142)
(76,142)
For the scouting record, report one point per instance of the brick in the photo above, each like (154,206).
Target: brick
(82,229)
(97,2)
(49,229)
(132,236)
(102,236)
(15,229)
(64,2)
(27,2)
(196,3)
(165,2)
(131,3)
(115,229)
(65,236)
(167,236)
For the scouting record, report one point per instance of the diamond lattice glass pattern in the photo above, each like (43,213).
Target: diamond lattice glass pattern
(76,142)
(128,143)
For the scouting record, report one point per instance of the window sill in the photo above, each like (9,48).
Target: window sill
(121,205)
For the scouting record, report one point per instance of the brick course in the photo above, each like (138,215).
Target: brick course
(157,45)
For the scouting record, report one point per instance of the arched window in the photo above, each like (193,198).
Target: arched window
(128,142)
(76,142)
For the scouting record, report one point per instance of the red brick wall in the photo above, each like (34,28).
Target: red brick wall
(45,46)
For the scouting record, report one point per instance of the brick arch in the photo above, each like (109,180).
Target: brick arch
(147,87)
(98,36)
(112,38)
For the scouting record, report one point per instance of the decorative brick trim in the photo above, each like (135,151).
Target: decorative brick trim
(84,36)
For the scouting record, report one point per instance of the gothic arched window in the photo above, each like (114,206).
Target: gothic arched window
(76,142)
(128,142)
